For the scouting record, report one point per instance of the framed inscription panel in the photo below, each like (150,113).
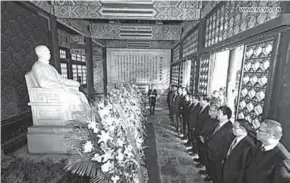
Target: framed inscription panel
(143,66)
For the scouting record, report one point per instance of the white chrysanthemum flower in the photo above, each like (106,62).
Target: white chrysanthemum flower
(97,158)
(88,147)
(107,166)
(104,137)
(115,178)
(93,126)
(120,142)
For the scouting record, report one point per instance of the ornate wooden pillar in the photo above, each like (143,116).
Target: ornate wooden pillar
(55,59)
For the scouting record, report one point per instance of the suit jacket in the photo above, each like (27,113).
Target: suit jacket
(267,166)
(176,103)
(186,111)
(168,96)
(220,142)
(234,166)
(208,129)
(181,105)
(193,116)
(202,117)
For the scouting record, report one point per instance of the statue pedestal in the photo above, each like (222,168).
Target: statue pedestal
(48,139)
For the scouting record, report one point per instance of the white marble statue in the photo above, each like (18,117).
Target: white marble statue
(48,77)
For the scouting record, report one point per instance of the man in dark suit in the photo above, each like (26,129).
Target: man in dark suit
(185,117)
(176,108)
(202,117)
(194,110)
(219,143)
(169,96)
(239,153)
(182,103)
(205,135)
(268,161)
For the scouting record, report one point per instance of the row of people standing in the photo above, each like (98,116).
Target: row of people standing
(229,152)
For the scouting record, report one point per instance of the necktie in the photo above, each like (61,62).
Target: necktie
(233,145)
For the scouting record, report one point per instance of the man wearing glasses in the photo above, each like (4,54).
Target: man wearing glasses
(267,163)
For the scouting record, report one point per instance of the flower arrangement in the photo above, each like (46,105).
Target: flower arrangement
(109,137)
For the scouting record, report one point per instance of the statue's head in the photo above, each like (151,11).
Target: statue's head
(42,53)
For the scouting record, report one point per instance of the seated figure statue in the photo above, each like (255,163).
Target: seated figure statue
(47,77)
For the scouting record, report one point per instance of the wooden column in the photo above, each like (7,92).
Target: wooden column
(55,56)
(280,99)
(89,63)
(105,70)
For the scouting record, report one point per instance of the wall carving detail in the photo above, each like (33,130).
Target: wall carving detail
(80,26)
(137,31)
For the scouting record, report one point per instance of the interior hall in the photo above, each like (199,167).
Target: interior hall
(145,91)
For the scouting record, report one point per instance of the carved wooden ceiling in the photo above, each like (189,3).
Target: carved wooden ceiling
(129,9)
(128,19)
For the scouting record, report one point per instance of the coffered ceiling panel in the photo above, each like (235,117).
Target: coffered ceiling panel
(129,9)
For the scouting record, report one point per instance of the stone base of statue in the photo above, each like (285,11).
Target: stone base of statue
(48,140)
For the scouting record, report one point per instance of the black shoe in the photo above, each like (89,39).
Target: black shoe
(208,178)
(202,172)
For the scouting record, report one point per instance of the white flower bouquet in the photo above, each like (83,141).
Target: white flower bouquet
(109,137)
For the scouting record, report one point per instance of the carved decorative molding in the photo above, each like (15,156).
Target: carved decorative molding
(206,9)
(134,9)
(44,5)
(80,26)
(137,31)
(138,44)
(177,10)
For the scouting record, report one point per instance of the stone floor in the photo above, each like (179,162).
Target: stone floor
(175,164)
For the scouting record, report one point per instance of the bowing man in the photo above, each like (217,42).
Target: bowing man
(239,153)
(269,157)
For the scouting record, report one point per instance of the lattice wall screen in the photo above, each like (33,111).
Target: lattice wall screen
(254,81)
(190,44)
(203,74)
(176,53)
(228,19)
(174,76)
(193,75)
(181,70)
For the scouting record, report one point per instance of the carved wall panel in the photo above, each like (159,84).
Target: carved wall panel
(137,31)
(138,44)
(255,80)
(203,75)
(229,20)
(21,32)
